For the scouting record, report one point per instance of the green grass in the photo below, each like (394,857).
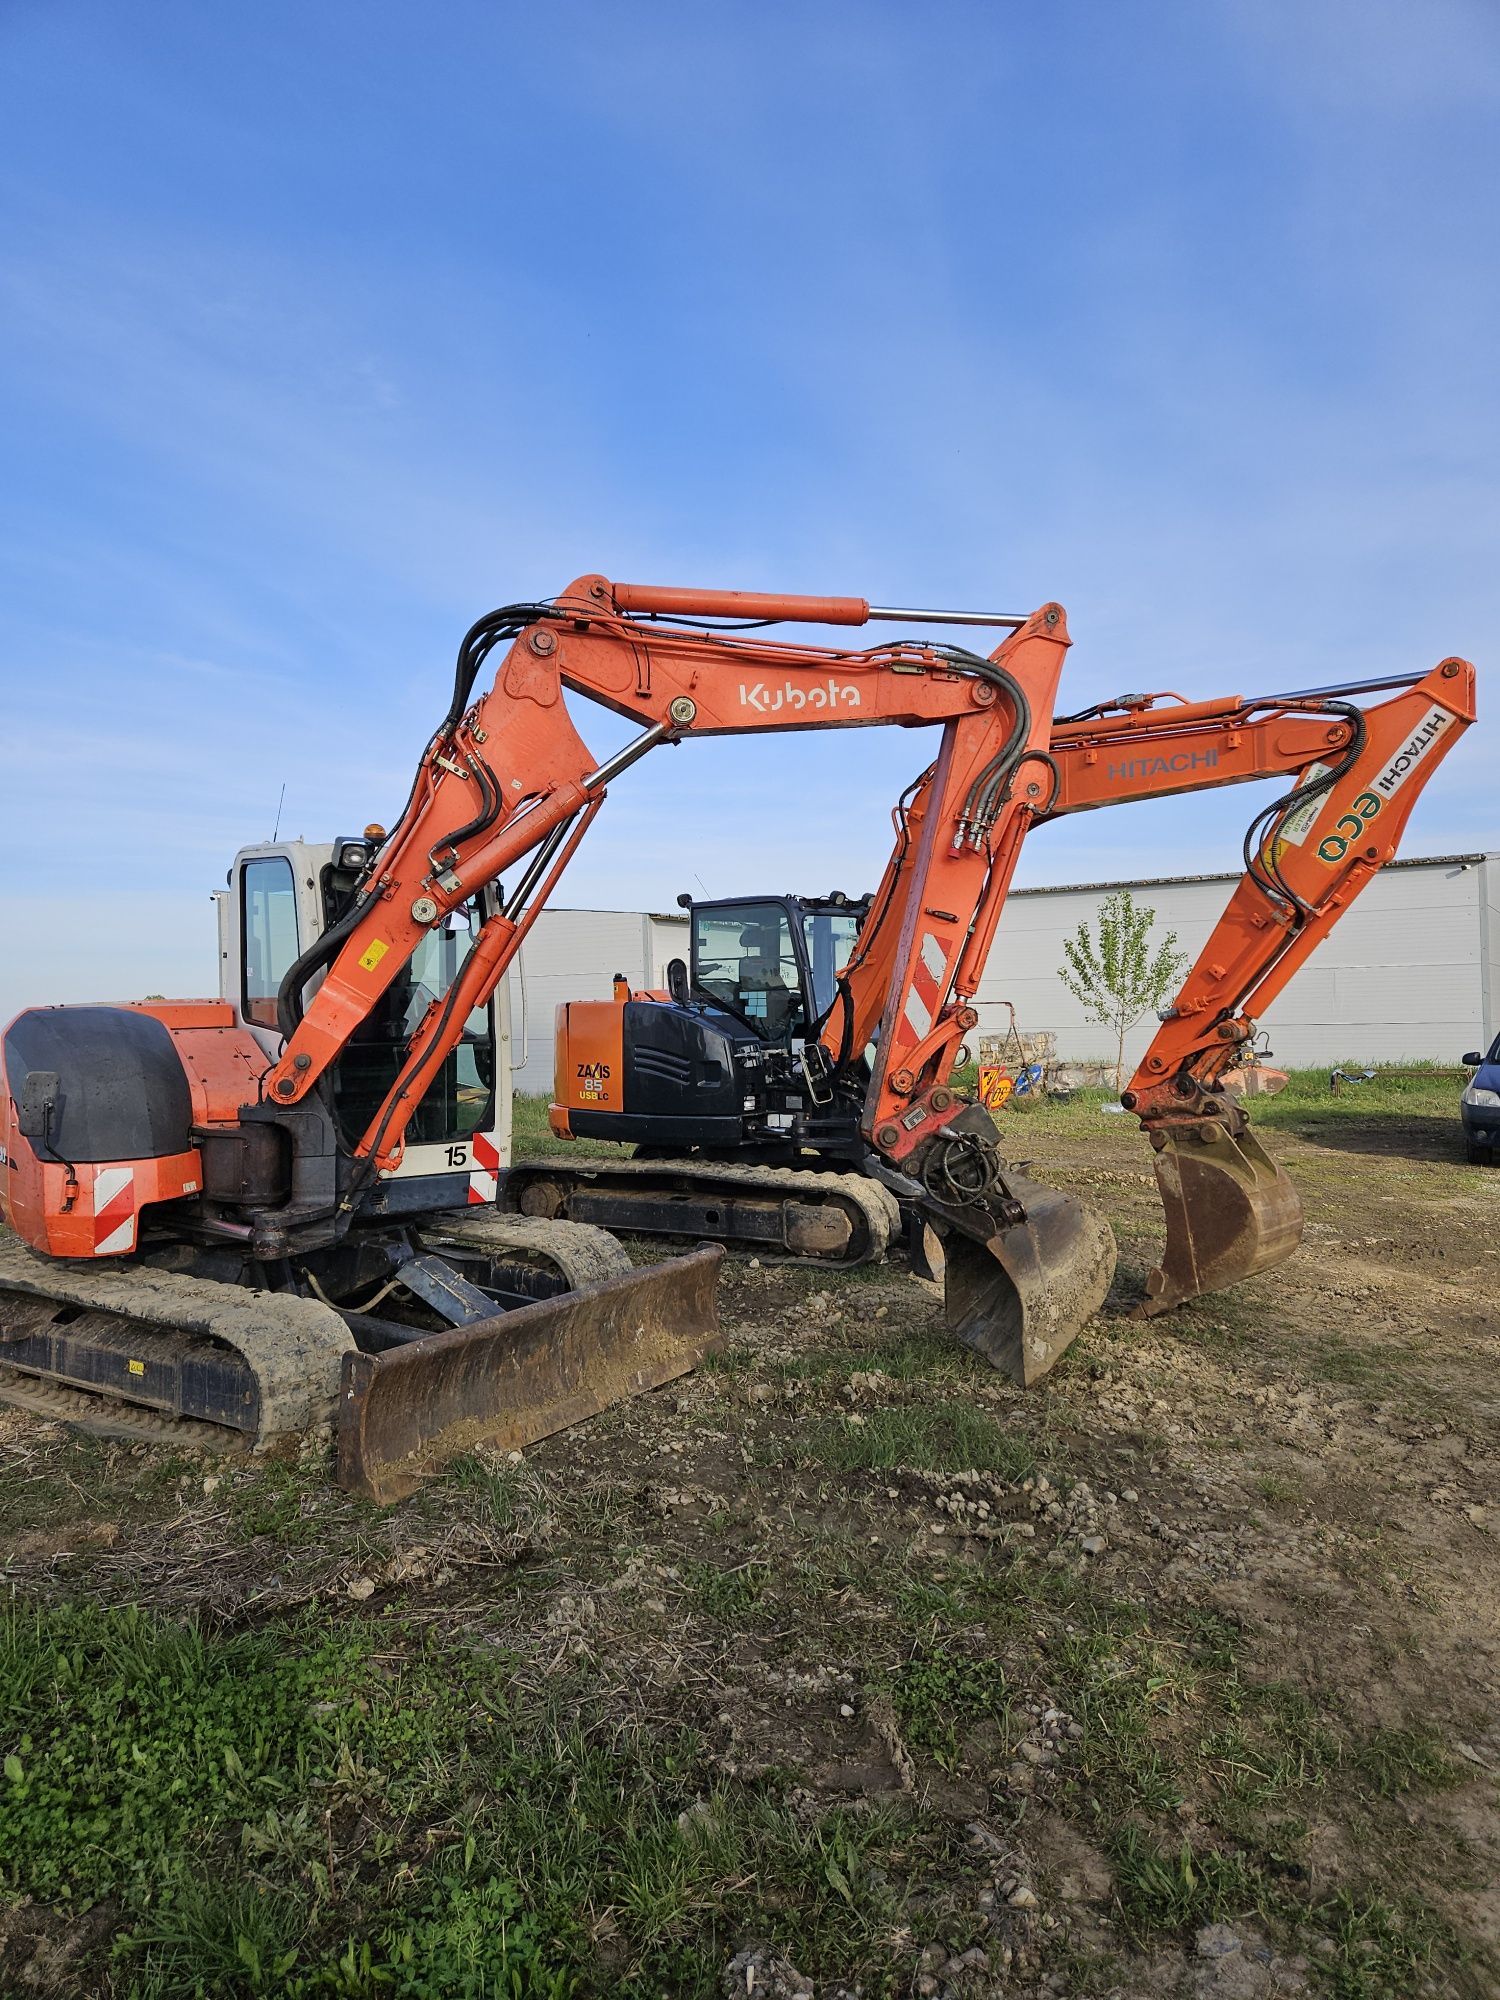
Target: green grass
(131,1741)
(533,1138)
(954,1437)
(500,1489)
(284,1501)
(1273,1487)
(358,1810)
(86,1478)
(1365,1947)
(361,1808)
(1396,1761)
(1380,1949)
(728,1594)
(1420,1090)
(941,1697)
(1176,1889)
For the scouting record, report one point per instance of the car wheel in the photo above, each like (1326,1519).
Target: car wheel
(1479,1156)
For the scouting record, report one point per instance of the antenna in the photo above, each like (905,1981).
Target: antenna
(279,804)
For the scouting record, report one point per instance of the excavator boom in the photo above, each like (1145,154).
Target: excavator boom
(1230,1210)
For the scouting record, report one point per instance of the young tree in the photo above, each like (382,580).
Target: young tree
(1122,977)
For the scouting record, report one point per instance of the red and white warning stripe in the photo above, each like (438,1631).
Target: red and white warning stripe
(925,994)
(484,1184)
(114,1211)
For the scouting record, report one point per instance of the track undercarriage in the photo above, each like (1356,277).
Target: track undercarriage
(418,1342)
(789,1214)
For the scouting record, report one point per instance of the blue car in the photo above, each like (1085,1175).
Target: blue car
(1480,1105)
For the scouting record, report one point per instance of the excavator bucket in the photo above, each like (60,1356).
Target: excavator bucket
(1020,1295)
(521,1376)
(1231,1211)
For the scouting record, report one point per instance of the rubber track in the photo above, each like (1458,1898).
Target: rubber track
(879,1207)
(293,1347)
(102,1414)
(579,1252)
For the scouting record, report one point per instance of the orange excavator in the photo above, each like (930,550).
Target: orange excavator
(211,1197)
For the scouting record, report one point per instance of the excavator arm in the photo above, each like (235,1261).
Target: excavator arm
(506,784)
(1230,1210)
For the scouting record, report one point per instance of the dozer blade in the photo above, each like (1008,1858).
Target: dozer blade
(1231,1211)
(1020,1295)
(521,1376)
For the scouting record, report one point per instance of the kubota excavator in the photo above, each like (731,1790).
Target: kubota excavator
(217,1202)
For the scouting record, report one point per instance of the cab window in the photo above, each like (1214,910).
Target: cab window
(268,935)
(830,941)
(745,956)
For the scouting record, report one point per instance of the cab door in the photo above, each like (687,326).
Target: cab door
(277,904)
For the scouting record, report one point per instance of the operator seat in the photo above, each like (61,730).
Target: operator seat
(760,972)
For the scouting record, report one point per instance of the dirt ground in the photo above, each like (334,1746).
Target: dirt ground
(857,1670)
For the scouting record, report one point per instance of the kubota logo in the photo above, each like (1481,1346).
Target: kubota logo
(824,695)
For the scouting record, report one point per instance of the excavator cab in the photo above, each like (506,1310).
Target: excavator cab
(283,895)
(729,1058)
(774,960)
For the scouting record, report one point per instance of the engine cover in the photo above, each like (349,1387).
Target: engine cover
(651,1071)
(96,1115)
(121,1092)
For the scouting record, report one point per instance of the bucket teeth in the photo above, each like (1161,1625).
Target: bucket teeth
(1230,1211)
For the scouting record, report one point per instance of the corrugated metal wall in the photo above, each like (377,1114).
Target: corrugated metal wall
(1411,973)
(1402,977)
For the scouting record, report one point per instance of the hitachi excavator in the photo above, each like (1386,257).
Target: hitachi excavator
(245,1213)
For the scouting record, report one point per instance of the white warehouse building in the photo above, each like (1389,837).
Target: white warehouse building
(1411,973)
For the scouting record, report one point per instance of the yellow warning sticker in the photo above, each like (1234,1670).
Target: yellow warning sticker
(377,951)
(136,1367)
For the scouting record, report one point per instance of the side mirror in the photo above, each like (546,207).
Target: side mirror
(1473,1059)
(677,980)
(37,1111)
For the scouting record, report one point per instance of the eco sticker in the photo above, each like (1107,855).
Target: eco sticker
(1298,823)
(372,957)
(1348,826)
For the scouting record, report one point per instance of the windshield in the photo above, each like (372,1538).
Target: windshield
(460,1099)
(744,956)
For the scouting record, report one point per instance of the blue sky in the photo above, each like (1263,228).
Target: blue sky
(323,329)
